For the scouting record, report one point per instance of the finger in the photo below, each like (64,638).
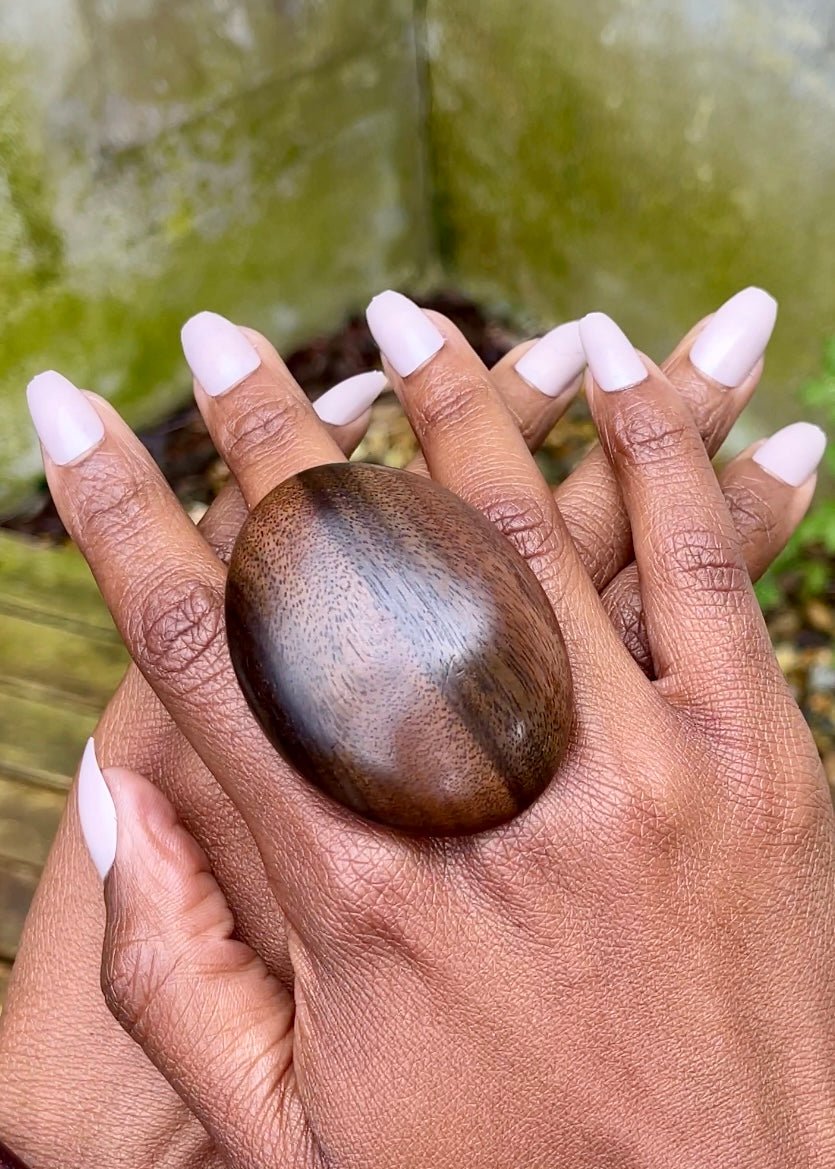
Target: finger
(344,409)
(472,446)
(768,490)
(137,730)
(165,590)
(260,419)
(715,370)
(537,381)
(153,744)
(703,623)
(200,1003)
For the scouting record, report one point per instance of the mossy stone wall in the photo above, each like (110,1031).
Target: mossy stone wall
(263,158)
(643,157)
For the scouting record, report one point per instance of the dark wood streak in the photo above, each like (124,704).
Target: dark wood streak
(397,651)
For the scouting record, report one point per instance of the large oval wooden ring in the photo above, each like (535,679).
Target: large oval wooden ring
(397,650)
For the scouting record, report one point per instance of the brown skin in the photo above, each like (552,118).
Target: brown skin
(98,1121)
(401,656)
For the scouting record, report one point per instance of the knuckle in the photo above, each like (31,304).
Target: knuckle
(625,609)
(132,979)
(699,561)
(180,626)
(111,499)
(384,895)
(642,434)
(447,399)
(528,523)
(272,426)
(650,827)
(709,407)
(753,517)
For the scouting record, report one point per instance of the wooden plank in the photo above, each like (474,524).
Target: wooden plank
(5,975)
(62,659)
(54,583)
(29,817)
(42,737)
(17,888)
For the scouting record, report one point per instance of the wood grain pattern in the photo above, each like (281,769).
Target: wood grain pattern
(5,975)
(60,659)
(17,888)
(397,651)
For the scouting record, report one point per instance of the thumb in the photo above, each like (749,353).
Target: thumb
(200,1003)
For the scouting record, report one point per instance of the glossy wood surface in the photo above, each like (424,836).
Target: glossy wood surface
(396,649)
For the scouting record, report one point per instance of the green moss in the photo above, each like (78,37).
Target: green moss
(283,208)
(31,248)
(641,159)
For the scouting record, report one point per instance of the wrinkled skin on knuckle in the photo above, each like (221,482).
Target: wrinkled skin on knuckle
(708,406)
(181,631)
(696,561)
(112,498)
(644,435)
(649,827)
(625,608)
(529,523)
(756,523)
(271,426)
(132,977)
(383,899)
(447,401)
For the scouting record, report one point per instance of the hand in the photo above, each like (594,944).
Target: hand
(416,393)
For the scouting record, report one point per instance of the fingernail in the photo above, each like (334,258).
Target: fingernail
(97,812)
(218,354)
(403,332)
(793,453)
(555,362)
(66,421)
(611,356)
(735,338)
(347,400)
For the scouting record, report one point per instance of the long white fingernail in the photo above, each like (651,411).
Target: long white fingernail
(65,419)
(555,362)
(347,400)
(792,454)
(403,332)
(218,354)
(736,336)
(97,812)
(611,356)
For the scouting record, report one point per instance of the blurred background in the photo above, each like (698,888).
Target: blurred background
(280,161)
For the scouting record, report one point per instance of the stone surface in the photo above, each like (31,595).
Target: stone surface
(644,158)
(261,159)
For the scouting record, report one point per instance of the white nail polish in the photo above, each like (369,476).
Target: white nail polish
(735,338)
(611,356)
(347,400)
(66,421)
(97,812)
(792,454)
(218,354)
(403,332)
(553,364)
